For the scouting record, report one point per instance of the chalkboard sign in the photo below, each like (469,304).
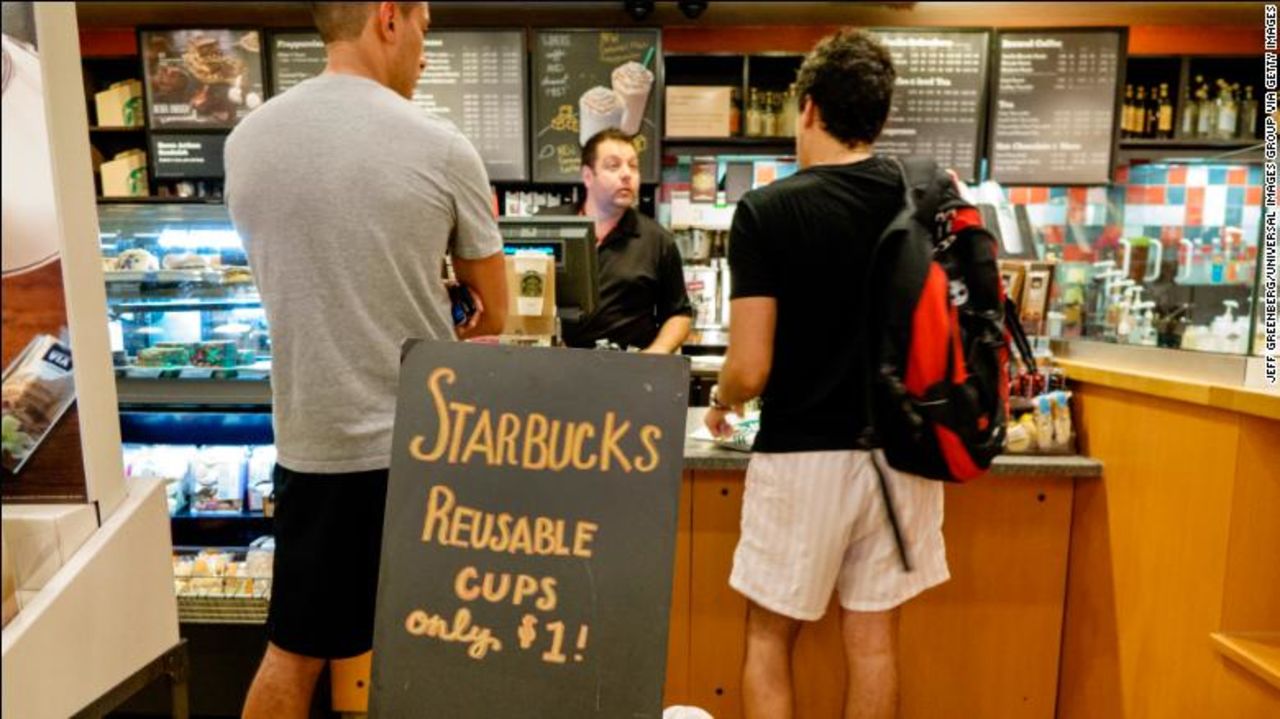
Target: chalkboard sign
(939,97)
(474,78)
(295,56)
(201,78)
(585,81)
(1054,116)
(529,536)
(187,156)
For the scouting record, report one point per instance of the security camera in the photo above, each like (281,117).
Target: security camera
(693,8)
(638,9)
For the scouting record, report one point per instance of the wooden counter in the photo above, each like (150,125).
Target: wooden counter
(985,644)
(1179,543)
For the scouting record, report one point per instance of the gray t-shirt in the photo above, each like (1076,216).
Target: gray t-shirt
(347,197)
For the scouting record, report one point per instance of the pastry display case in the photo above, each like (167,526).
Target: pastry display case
(180,294)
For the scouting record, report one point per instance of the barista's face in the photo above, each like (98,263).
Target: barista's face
(404,33)
(614,180)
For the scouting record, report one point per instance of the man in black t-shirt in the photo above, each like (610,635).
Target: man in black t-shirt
(643,300)
(813,520)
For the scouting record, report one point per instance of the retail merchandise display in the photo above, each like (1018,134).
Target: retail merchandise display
(38,388)
(1221,111)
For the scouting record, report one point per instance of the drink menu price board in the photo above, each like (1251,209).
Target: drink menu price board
(586,81)
(477,81)
(295,56)
(474,79)
(940,93)
(1055,106)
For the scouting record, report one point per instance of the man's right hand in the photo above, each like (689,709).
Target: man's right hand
(487,280)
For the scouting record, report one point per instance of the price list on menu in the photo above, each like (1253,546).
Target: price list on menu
(940,91)
(477,81)
(1055,108)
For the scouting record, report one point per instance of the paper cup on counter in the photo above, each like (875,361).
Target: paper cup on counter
(632,83)
(599,109)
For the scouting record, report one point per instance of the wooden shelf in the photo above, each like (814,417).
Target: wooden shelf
(103,128)
(1258,652)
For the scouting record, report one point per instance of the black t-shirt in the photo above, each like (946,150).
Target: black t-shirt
(806,241)
(641,286)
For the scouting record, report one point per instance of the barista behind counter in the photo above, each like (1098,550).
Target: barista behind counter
(643,301)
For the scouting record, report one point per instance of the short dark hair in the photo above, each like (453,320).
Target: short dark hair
(345,20)
(591,150)
(849,76)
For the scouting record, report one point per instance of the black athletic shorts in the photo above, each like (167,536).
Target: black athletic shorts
(328,530)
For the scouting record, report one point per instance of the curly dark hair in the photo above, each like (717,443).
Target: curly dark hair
(849,76)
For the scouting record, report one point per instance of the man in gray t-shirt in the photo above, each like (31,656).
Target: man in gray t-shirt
(348,198)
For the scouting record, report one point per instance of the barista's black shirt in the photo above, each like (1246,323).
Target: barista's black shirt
(641,286)
(806,241)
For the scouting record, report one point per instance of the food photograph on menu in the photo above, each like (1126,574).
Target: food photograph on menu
(202,78)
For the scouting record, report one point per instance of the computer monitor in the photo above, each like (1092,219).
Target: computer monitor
(572,241)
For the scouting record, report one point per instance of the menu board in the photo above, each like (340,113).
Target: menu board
(201,78)
(586,81)
(530,528)
(295,56)
(187,156)
(940,93)
(1055,106)
(474,79)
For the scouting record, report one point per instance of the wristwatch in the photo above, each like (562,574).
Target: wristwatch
(715,400)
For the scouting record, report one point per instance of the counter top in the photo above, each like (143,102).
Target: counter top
(1225,397)
(699,454)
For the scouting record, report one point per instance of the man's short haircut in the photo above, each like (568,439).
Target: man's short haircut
(346,20)
(849,76)
(591,150)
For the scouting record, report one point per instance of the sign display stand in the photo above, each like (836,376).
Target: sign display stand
(530,532)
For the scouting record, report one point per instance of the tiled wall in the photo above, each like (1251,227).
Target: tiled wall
(1171,202)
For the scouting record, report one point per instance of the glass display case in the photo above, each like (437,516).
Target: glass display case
(180,295)
(1165,256)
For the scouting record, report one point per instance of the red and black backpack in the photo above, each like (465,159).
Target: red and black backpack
(938,381)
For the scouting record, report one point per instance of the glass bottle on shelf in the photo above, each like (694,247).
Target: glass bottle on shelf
(1126,116)
(1152,127)
(735,113)
(787,125)
(1248,115)
(1190,113)
(769,123)
(1139,113)
(1228,111)
(755,121)
(1208,119)
(1164,122)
